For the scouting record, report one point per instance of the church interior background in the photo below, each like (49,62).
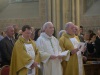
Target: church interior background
(84,13)
(36,12)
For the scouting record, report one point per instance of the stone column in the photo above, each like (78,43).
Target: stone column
(73,11)
(57,16)
(54,13)
(48,6)
(78,12)
(66,11)
(63,11)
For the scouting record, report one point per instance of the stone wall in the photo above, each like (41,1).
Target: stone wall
(3,4)
(35,22)
(90,22)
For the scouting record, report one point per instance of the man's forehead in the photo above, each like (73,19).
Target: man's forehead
(50,25)
(71,25)
(10,28)
(27,31)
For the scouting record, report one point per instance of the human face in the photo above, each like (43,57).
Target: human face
(39,32)
(27,34)
(71,29)
(16,29)
(81,30)
(93,38)
(99,33)
(10,32)
(86,36)
(49,30)
(76,30)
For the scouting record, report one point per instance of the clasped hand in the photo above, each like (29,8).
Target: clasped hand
(74,51)
(34,65)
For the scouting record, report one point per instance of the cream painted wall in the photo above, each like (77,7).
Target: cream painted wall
(3,4)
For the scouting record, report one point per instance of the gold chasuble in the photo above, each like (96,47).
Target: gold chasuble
(20,57)
(74,66)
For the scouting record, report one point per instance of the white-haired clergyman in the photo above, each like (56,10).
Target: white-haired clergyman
(49,50)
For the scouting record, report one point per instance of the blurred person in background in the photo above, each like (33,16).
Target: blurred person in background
(97,44)
(77,33)
(61,33)
(91,46)
(15,31)
(81,31)
(6,45)
(37,34)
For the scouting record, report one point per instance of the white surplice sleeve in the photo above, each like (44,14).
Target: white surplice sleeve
(41,46)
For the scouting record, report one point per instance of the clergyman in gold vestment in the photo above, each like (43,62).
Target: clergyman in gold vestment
(69,41)
(25,56)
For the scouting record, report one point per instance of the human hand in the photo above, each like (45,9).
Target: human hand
(59,57)
(53,57)
(74,51)
(34,65)
(84,49)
